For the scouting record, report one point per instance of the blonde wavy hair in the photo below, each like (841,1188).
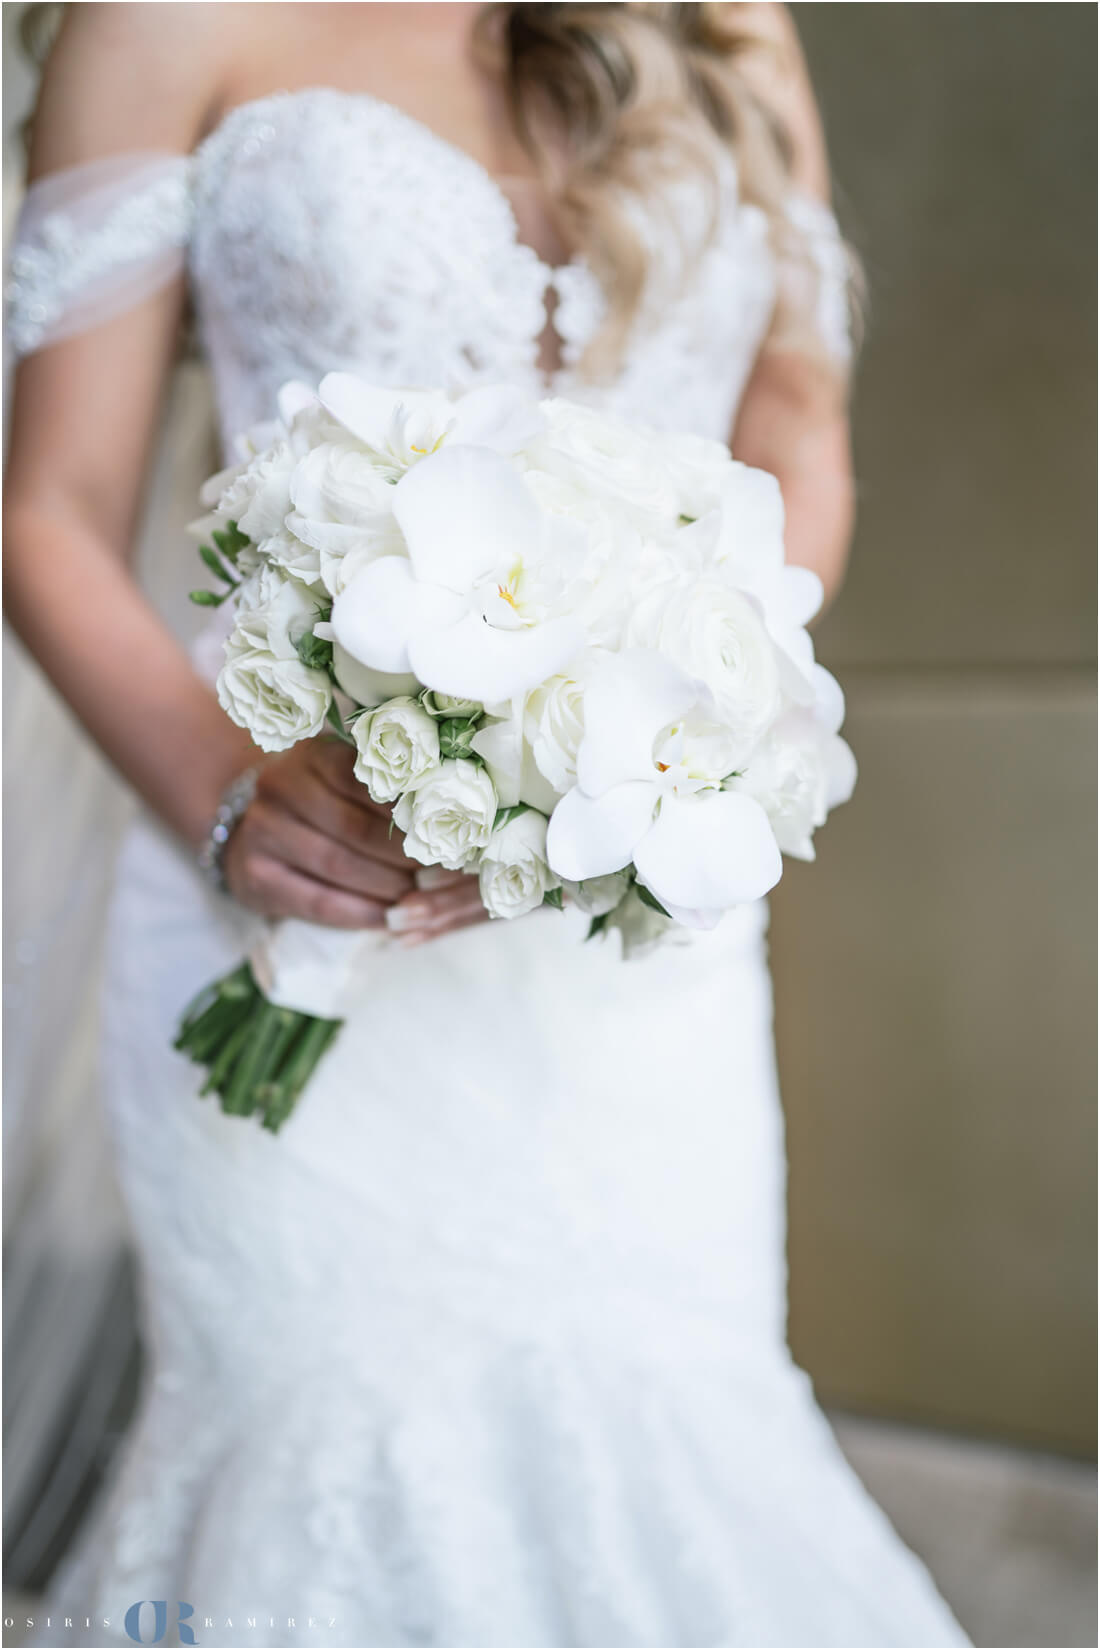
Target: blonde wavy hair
(620,104)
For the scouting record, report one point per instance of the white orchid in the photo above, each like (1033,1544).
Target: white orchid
(649,772)
(471,611)
(401,427)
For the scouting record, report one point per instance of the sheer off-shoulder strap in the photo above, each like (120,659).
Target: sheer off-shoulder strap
(819,282)
(94,240)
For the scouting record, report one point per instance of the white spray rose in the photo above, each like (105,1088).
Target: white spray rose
(513,873)
(445,705)
(263,685)
(279,701)
(397,744)
(448,819)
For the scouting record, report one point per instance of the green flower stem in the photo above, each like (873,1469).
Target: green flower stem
(259,1056)
(304,1057)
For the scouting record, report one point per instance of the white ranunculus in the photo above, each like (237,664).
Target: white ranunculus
(598,895)
(797,774)
(513,873)
(605,457)
(696,469)
(256,494)
(716,634)
(448,819)
(554,728)
(279,700)
(343,509)
(302,561)
(397,744)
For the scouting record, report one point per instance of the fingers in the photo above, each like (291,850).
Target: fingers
(427,915)
(351,819)
(430,877)
(465,918)
(276,834)
(277,890)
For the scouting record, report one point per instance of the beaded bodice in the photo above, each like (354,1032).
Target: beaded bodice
(326,229)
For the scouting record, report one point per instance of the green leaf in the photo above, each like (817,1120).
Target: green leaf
(207,598)
(686,521)
(337,725)
(649,899)
(597,925)
(505,816)
(553,896)
(314,652)
(230,541)
(217,566)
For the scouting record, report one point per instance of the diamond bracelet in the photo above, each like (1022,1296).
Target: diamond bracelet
(234,801)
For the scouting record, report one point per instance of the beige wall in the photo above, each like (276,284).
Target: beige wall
(935,969)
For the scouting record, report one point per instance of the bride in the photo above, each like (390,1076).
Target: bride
(478,1351)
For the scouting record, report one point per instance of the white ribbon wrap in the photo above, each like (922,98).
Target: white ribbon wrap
(314,970)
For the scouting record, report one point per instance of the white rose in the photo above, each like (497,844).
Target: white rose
(398,744)
(448,819)
(598,895)
(716,634)
(278,700)
(602,456)
(513,874)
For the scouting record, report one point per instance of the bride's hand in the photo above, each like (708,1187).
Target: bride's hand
(313,845)
(441,902)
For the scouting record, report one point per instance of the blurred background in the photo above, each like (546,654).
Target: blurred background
(935,971)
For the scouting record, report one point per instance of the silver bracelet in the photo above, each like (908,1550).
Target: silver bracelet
(235,799)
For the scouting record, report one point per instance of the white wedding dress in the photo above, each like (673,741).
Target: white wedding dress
(487,1347)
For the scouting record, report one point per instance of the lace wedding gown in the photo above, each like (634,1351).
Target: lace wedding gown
(487,1347)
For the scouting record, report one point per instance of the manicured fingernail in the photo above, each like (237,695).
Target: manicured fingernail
(400,918)
(433,876)
(407,941)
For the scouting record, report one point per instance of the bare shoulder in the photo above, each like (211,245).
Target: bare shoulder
(775,66)
(131,76)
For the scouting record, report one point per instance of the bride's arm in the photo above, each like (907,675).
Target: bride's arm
(126,78)
(793,419)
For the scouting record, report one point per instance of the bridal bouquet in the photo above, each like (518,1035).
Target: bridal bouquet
(567,651)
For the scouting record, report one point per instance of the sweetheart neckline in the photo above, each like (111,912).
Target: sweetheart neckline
(420,128)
